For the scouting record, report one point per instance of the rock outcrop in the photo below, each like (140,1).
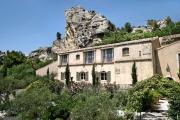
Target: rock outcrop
(42,53)
(83,28)
(2,54)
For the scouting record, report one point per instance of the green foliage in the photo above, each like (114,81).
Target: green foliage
(139,31)
(21,71)
(64,103)
(92,106)
(36,64)
(120,35)
(127,27)
(153,24)
(7,86)
(174,110)
(134,74)
(34,102)
(93,75)
(145,93)
(67,75)
(169,21)
(13,58)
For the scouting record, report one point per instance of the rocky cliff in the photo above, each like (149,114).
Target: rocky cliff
(42,53)
(83,28)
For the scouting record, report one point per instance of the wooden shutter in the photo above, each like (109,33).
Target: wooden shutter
(109,76)
(77,76)
(98,75)
(86,76)
(62,76)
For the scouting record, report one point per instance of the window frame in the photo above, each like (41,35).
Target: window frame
(107,56)
(64,60)
(89,58)
(104,75)
(125,51)
(82,76)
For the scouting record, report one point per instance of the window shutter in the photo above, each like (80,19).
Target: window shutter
(62,76)
(98,75)
(86,76)
(77,76)
(109,76)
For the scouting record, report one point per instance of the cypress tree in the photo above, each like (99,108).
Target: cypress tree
(48,72)
(67,75)
(134,73)
(93,75)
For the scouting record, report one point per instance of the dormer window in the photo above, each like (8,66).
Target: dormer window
(125,52)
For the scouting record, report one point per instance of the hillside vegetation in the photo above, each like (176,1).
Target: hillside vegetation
(126,34)
(48,99)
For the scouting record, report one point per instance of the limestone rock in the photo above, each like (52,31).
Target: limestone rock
(42,53)
(83,28)
(2,54)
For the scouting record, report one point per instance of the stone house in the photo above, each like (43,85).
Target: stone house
(114,61)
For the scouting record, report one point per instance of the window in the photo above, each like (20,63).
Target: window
(103,75)
(125,51)
(77,57)
(64,59)
(89,57)
(82,75)
(108,55)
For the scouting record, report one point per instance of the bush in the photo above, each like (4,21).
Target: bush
(92,106)
(34,102)
(174,109)
(147,92)
(21,71)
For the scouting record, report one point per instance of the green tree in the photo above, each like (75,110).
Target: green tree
(21,71)
(128,27)
(47,73)
(134,74)
(34,102)
(169,21)
(67,75)
(93,75)
(153,24)
(13,58)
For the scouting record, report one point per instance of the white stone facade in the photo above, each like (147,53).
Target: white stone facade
(118,69)
(152,56)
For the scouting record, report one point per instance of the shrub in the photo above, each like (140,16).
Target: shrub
(21,71)
(174,109)
(146,93)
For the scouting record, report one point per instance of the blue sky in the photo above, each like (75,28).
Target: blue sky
(28,24)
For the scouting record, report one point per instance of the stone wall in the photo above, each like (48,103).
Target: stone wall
(53,68)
